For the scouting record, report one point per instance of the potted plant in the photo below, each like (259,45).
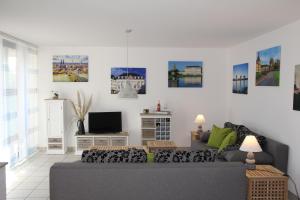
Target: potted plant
(81,109)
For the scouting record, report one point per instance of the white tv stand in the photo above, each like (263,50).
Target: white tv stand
(84,142)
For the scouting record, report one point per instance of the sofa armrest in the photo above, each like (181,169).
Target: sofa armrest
(280,153)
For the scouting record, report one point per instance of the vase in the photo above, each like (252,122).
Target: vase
(80,126)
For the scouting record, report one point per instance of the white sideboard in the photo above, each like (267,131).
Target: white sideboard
(56,138)
(84,142)
(2,181)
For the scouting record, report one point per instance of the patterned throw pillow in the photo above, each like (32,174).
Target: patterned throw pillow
(181,156)
(242,132)
(131,155)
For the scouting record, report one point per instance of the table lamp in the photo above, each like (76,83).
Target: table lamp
(200,120)
(250,145)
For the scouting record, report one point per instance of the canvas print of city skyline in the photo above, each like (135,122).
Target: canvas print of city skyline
(240,79)
(136,76)
(185,74)
(268,67)
(296,105)
(70,68)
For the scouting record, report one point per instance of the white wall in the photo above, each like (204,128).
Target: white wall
(185,103)
(268,110)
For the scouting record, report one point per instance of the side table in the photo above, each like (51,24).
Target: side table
(267,182)
(195,136)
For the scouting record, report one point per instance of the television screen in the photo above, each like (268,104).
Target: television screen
(105,122)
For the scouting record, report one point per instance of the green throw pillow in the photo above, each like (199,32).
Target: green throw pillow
(230,139)
(217,136)
(150,157)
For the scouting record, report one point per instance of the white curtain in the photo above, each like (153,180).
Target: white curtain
(19,101)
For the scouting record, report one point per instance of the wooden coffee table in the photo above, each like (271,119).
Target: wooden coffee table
(154,145)
(117,148)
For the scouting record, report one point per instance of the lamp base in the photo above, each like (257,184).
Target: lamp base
(250,161)
(200,130)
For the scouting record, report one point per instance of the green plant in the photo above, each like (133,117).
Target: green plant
(81,108)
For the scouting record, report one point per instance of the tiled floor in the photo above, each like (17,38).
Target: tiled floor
(30,181)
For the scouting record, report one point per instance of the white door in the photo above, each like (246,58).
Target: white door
(55,119)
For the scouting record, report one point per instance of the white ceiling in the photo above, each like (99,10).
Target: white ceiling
(163,23)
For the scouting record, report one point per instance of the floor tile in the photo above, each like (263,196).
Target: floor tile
(19,193)
(27,185)
(39,193)
(35,179)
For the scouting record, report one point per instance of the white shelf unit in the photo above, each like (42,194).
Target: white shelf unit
(84,142)
(155,127)
(56,135)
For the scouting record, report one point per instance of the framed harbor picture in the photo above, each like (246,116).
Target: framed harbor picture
(136,76)
(296,105)
(268,67)
(185,74)
(70,68)
(240,79)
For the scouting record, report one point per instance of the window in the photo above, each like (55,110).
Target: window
(19,101)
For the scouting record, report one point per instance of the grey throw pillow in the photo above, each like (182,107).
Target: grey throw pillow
(262,158)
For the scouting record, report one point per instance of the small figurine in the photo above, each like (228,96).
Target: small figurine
(55,95)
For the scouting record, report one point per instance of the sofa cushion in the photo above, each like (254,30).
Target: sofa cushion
(217,136)
(205,136)
(131,155)
(260,157)
(230,139)
(179,156)
(242,132)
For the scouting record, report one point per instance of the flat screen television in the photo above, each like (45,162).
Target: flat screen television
(105,122)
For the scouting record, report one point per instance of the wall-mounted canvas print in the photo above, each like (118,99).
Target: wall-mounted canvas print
(70,68)
(185,74)
(240,79)
(268,67)
(297,89)
(136,76)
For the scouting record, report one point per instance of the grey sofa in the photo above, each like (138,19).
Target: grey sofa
(148,181)
(274,153)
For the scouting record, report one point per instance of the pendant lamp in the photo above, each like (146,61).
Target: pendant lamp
(127,91)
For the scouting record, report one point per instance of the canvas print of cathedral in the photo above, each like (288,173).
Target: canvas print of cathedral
(185,74)
(136,76)
(70,68)
(268,67)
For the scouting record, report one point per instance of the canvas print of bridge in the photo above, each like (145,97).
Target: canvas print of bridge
(297,89)
(70,68)
(185,74)
(268,67)
(136,76)
(240,79)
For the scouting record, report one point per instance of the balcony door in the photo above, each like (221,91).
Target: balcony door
(18,102)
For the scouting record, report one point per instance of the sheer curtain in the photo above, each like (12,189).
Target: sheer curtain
(18,102)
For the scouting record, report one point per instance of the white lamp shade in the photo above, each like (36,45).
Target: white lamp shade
(250,144)
(200,119)
(128,91)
